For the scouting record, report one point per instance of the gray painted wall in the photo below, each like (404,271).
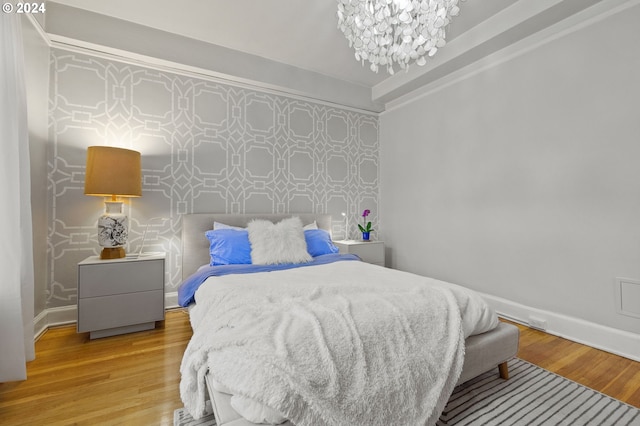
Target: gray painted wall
(523,180)
(36,55)
(206,147)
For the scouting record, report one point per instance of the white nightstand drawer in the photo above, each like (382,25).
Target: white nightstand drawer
(368,251)
(99,313)
(108,278)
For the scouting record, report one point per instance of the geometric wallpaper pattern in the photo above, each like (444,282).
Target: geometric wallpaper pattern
(206,146)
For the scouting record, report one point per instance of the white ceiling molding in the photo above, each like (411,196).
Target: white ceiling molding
(104,52)
(510,25)
(223,42)
(71,26)
(575,22)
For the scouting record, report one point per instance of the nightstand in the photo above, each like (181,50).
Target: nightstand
(120,296)
(368,251)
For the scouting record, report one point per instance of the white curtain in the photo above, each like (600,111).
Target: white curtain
(16,249)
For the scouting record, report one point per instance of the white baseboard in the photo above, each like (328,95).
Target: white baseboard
(608,339)
(171,300)
(66,315)
(52,317)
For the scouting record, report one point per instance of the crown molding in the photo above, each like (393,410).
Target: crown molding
(461,58)
(91,33)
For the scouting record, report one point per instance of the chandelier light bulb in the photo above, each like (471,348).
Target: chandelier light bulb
(388,32)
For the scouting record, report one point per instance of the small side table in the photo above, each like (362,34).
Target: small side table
(118,296)
(368,251)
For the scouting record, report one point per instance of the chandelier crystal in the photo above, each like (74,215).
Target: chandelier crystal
(384,32)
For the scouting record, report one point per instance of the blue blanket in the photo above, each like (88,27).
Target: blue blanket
(188,288)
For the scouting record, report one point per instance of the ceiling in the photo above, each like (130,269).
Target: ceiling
(303,34)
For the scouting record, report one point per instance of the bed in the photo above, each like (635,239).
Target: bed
(480,352)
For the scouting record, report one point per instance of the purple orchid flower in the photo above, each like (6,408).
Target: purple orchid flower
(366,226)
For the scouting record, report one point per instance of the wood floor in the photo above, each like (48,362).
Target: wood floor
(131,379)
(134,379)
(610,374)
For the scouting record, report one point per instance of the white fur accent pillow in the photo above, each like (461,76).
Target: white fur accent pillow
(282,242)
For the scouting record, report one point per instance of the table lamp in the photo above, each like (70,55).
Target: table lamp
(113,172)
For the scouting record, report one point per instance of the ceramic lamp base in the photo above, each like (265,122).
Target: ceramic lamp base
(113,229)
(112,253)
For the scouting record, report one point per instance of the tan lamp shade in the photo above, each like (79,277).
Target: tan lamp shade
(113,172)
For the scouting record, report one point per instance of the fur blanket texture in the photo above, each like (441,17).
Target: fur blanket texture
(346,343)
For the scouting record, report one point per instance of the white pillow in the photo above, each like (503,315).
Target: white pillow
(277,243)
(219,225)
(312,225)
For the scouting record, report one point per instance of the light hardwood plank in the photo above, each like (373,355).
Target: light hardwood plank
(610,374)
(133,379)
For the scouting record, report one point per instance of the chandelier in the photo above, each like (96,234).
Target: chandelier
(385,32)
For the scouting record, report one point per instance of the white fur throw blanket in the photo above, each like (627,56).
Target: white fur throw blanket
(346,343)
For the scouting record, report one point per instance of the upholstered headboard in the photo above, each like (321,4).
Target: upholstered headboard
(195,246)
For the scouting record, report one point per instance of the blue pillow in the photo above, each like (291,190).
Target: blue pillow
(319,242)
(229,247)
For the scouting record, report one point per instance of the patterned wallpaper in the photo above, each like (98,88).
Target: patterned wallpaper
(206,147)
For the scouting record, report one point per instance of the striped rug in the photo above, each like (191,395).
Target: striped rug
(532,396)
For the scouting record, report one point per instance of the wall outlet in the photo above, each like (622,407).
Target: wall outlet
(537,323)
